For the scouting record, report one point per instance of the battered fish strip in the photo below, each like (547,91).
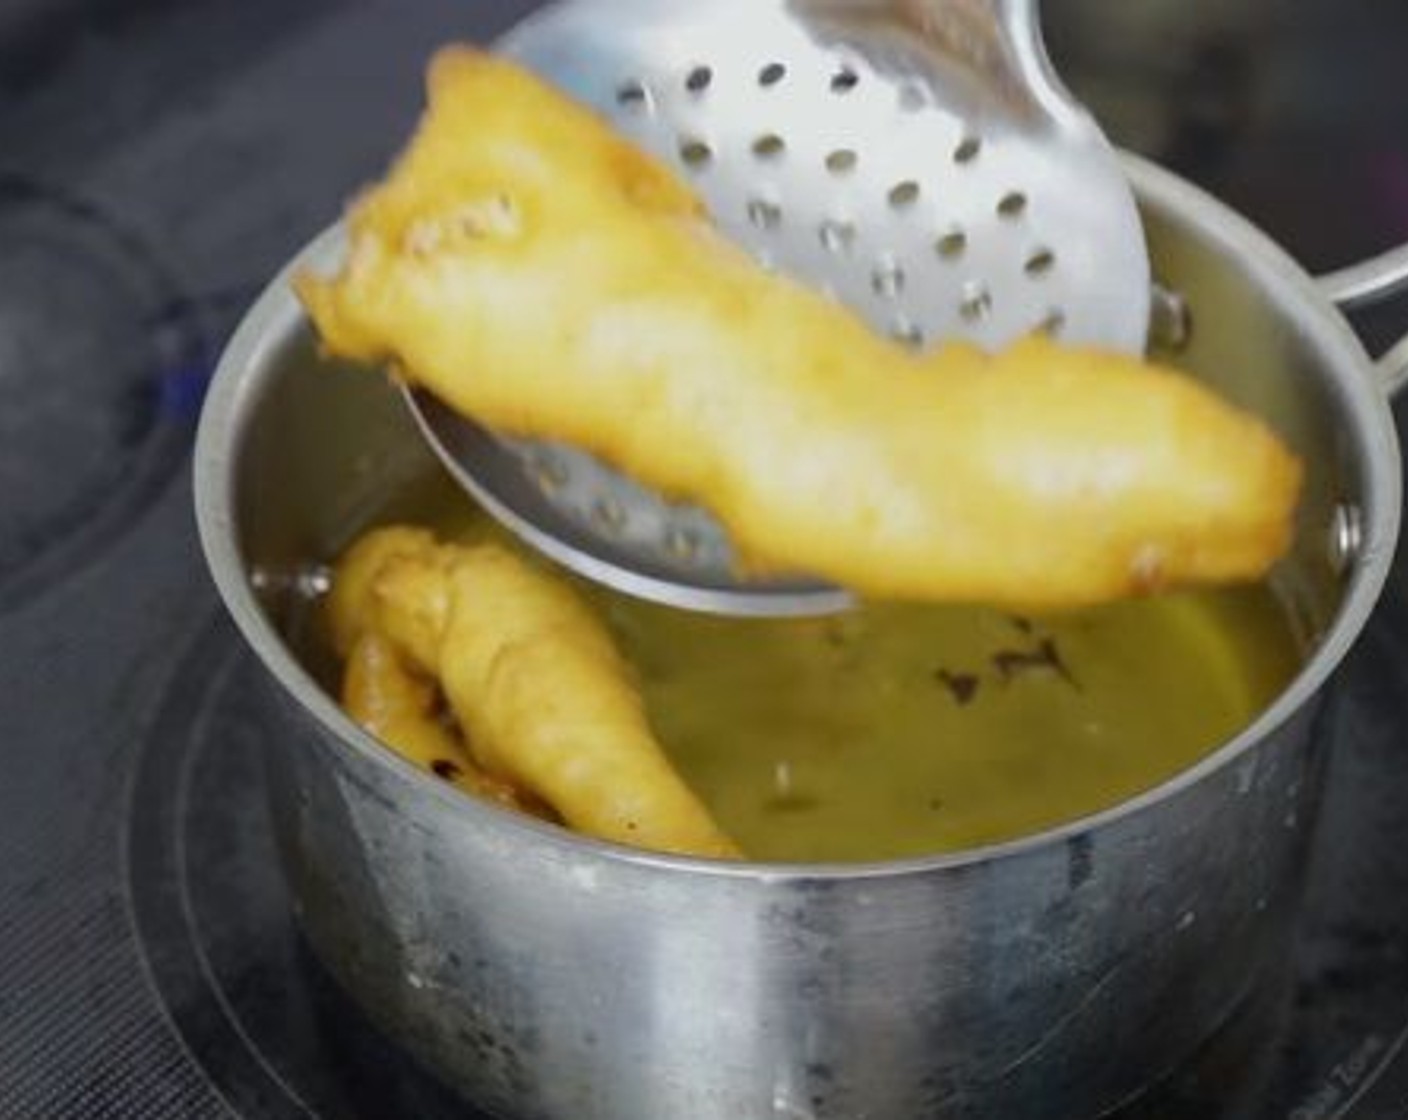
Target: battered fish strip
(399,706)
(544,700)
(543,276)
(387,696)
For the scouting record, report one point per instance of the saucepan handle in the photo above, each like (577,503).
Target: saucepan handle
(1371,282)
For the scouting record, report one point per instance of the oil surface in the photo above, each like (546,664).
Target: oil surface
(900,730)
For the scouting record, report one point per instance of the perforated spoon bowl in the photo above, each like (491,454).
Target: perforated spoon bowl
(915,159)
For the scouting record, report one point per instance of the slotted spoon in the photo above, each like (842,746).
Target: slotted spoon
(916,159)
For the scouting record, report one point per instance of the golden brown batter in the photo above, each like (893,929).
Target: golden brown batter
(545,277)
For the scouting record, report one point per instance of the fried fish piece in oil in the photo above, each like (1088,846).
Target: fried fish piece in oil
(542,275)
(385,693)
(551,721)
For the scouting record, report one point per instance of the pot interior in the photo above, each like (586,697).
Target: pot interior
(320,452)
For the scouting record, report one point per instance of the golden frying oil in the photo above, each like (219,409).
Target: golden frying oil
(899,730)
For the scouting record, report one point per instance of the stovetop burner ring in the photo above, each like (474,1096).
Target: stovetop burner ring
(102,360)
(277,1038)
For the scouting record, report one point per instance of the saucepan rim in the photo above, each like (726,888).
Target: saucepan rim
(275,319)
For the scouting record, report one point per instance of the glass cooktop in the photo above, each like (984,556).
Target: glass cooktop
(158,161)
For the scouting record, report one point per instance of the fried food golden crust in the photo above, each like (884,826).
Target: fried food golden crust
(352,603)
(544,700)
(382,692)
(397,705)
(545,277)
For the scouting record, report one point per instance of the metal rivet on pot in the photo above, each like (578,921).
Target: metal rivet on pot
(313,580)
(1346,536)
(1170,320)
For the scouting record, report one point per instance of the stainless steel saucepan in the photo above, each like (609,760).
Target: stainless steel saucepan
(551,976)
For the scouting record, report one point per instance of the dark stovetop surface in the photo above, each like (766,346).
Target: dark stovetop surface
(158,161)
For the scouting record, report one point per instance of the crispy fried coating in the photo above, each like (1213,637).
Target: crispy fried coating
(542,275)
(352,603)
(384,696)
(546,703)
(383,692)
(399,706)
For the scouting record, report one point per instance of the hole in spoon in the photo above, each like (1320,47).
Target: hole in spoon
(696,154)
(769,146)
(951,245)
(632,95)
(1012,205)
(904,195)
(842,161)
(844,80)
(771,74)
(1040,264)
(967,150)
